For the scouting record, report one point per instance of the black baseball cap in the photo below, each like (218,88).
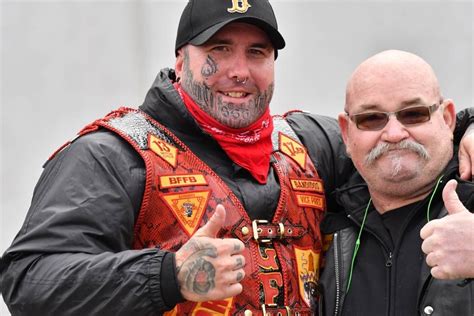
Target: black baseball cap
(201,19)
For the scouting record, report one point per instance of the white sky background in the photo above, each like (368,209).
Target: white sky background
(66,63)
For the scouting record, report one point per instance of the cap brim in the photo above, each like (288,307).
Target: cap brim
(275,37)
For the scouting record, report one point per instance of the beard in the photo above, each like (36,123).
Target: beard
(230,114)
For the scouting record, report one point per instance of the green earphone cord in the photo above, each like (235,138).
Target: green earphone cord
(431,199)
(357,243)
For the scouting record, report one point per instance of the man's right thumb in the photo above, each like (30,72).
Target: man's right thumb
(215,223)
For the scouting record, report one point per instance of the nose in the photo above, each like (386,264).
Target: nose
(394,131)
(239,67)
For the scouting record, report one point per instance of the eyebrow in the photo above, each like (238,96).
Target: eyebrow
(365,107)
(221,41)
(262,45)
(214,41)
(410,102)
(414,101)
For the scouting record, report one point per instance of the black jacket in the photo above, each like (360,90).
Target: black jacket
(73,253)
(390,275)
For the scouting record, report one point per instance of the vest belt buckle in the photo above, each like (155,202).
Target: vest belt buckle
(281,231)
(279,311)
(257,230)
(272,231)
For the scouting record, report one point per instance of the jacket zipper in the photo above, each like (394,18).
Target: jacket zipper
(388,262)
(336,273)
(388,265)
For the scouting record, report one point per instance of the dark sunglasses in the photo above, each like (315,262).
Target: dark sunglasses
(374,121)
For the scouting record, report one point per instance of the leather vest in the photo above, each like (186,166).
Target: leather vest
(181,193)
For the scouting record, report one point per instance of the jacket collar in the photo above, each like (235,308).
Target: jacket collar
(164,104)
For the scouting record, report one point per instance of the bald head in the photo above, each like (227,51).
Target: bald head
(388,71)
(399,156)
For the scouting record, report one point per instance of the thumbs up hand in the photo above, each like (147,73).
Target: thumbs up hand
(449,241)
(210,268)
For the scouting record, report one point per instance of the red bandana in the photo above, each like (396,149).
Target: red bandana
(249,147)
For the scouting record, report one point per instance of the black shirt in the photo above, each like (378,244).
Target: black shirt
(386,271)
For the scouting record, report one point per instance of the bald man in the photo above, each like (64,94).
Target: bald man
(398,130)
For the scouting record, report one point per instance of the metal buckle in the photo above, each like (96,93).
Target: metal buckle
(257,230)
(264,310)
(281,231)
(275,306)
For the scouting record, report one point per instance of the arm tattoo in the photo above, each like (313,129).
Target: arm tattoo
(200,276)
(196,273)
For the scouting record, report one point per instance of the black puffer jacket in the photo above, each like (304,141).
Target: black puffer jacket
(73,254)
(390,277)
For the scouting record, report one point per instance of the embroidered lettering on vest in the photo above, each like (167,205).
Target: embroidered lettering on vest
(271,282)
(293,149)
(310,200)
(239,6)
(172,181)
(307,261)
(166,151)
(307,185)
(188,208)
(269,274)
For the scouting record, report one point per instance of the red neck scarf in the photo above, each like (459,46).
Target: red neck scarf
(249,147)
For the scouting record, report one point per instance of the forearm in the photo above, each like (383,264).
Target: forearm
(124,283)
(464,119)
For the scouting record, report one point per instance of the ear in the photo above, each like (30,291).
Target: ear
(343,120)
(178,65)
(449,114)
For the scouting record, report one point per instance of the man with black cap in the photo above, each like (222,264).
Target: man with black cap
(198,203)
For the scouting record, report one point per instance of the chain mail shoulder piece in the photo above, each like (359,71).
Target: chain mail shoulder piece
(138,126)
(281,125)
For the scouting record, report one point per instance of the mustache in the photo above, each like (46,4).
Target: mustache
(383,148)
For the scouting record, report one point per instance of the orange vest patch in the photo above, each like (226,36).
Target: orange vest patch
(307,185)
(221,307)
(310,200)
(166,151)
(208,308)
(293,149)
(173,181)
(307,262)
(188,208)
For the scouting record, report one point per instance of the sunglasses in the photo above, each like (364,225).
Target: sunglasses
(374,121)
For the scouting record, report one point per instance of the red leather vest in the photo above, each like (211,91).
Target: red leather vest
(181,193)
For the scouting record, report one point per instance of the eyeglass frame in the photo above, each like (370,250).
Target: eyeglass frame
(431,109)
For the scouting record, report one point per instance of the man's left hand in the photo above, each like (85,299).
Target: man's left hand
(466,155)
(449,241)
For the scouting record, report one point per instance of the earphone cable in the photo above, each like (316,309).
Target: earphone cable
(357,245)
